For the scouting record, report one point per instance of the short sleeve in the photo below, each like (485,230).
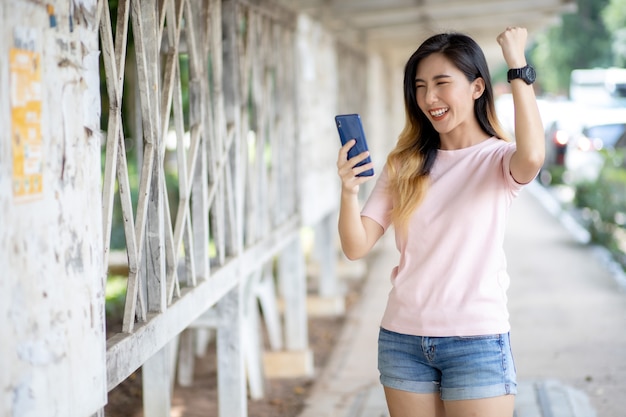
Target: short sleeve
(513,185)
(379,203)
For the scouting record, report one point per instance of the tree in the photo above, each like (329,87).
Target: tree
(581,40)
(614,17)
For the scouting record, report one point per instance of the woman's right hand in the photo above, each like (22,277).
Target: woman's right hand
(348,170)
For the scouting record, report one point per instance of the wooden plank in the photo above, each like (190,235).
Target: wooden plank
(222,125)
(170,96)
(292,282)
(171,286)
(121,41)
(115,58)
(267,297)
(200,214)
(156,387)
(182,213)
(288,364)
(110,71)
(234,223)
(229,81)
(215,190)
(150,205)
(251,344)
(127,352)
(161,7)
(170,70)
(231,377)
(146,82)
(195,15)
(132,284)
(326,254)
(328,306)
(186,358)
(154,260)
(190,265)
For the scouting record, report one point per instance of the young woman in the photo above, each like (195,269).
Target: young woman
(443,346)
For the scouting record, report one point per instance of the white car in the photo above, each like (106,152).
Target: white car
(600,128)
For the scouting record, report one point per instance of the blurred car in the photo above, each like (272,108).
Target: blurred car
(561,121)
(574,133)
(601,128)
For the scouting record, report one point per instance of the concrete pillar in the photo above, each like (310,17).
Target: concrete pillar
(52,327)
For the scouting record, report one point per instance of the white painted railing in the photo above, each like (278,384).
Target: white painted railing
(197,247)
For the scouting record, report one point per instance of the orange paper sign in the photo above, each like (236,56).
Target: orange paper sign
(26,140)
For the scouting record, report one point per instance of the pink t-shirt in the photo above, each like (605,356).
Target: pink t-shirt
(451,279)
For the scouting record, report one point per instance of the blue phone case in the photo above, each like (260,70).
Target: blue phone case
(350,127)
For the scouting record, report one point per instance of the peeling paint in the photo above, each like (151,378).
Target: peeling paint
(85,13)
(74,257)
(52,349)
(43,351)
(23,399)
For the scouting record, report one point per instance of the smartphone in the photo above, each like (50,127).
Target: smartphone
(350,127)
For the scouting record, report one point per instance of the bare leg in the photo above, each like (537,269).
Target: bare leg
(487,407)
(410,404)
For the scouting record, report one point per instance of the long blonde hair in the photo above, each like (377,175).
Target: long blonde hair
(410,162)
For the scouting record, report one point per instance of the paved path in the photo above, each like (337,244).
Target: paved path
(568,317)
(568,313)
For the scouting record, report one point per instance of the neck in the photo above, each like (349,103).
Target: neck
(462,138)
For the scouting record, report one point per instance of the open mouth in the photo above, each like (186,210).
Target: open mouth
(438,113)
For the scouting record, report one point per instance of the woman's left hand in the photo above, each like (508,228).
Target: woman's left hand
(513,43)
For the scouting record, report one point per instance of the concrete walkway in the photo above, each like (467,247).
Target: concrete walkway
(568,318)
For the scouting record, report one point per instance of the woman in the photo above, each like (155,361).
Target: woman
(443,346)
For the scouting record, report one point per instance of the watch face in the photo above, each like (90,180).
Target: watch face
(530,74)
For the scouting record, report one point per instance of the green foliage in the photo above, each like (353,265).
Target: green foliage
(118,237)
(603,205)
(614,14)
(555,174)
(606,197)
(130,109)
(581,40)
(614,17)
(183,67)
(548,78)
(115,296)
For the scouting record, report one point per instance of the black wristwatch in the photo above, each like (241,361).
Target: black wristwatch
(526,73)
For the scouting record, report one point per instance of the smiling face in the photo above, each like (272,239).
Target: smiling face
(446,97)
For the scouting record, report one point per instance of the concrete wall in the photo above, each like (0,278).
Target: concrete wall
(317,107)
(385,108)
(52,354)
(382,115)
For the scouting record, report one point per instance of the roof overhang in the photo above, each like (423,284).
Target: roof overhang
(398,26)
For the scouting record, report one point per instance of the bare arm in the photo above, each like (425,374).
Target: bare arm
(529,134)
(357,234)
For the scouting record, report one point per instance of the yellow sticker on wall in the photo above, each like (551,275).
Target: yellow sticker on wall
(26,139)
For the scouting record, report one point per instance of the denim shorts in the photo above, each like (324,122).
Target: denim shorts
(458,368)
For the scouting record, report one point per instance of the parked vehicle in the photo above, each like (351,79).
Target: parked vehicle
(599,129)
(560,119)
(599,86)
(574,135)
(576,129)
